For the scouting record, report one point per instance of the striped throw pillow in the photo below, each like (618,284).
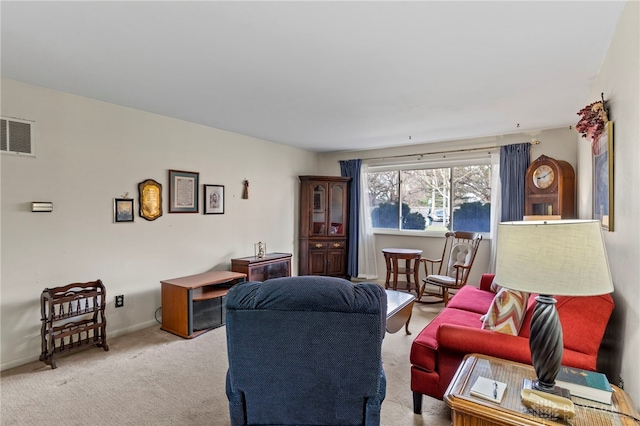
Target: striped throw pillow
(506,313)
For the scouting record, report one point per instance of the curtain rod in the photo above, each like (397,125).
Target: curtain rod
(534,142)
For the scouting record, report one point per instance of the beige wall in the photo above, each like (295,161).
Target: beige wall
(555,143)
(88,153)
(619,80)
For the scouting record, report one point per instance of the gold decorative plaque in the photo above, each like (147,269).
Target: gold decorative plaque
(150,199)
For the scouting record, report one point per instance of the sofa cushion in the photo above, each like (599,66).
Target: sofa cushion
(461,255)
(583,332)
(472,299)
(425,346)
(507,311)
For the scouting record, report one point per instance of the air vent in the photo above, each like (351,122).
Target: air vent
(17,136)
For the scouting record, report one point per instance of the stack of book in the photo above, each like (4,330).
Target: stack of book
(585,384)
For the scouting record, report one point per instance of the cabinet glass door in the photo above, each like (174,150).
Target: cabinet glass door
(336,226)
(319,211)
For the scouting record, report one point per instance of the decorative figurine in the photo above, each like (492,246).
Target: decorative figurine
(245,192)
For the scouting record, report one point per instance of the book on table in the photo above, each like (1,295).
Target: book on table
(585,384)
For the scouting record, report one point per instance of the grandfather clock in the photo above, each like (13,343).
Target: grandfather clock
(550,188)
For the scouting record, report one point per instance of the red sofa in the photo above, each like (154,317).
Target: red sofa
(438,349)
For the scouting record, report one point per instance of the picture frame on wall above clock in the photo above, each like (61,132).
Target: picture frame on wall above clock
(603,178)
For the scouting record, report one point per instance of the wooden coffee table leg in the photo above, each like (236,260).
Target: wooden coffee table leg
(406,326)
(409,307)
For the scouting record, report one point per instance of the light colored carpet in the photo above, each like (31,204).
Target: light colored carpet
(151,377)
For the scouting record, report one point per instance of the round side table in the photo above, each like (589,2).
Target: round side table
(411,259)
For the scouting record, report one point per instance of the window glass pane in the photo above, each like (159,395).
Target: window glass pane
(425,199)
(438,199)
(383,199)
(472,198)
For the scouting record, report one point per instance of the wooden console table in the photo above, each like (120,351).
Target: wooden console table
(467,409)
(194,304)
(272,265)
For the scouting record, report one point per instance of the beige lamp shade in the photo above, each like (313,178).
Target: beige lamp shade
(556,257)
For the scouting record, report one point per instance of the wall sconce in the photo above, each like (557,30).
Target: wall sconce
(41,206)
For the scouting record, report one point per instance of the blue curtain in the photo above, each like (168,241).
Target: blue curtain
(514,161)
(351,168)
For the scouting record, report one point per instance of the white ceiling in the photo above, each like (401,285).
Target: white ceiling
(323,76)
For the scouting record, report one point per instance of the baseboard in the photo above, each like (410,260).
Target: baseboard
(110,335)
(127,330)
(19,362)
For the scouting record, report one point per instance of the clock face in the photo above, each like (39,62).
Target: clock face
(543,176)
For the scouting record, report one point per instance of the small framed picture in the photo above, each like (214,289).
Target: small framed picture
(123,210)
(213,199)
(183,191)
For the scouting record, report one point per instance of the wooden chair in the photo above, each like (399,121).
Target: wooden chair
(451,271)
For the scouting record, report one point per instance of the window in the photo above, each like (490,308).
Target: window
(424,197)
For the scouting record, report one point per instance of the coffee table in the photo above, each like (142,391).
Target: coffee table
(399,309)
(469,410)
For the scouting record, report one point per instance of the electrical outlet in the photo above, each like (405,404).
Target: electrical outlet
(120,301)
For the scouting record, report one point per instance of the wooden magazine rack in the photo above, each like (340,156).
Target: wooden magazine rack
(72,319)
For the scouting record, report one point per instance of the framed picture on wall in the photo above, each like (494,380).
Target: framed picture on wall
(213,199)
(183,191)
(150,199)
(603,178)
(122,210)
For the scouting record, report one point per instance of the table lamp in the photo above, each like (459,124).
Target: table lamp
(556,257)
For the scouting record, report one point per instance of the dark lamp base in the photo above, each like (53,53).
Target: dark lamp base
(554,390)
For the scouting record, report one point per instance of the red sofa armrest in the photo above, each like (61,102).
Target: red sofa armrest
(485,281)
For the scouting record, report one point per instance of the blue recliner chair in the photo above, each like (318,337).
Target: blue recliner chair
(305,351)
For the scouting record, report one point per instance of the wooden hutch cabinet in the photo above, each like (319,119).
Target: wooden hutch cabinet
(323,225)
